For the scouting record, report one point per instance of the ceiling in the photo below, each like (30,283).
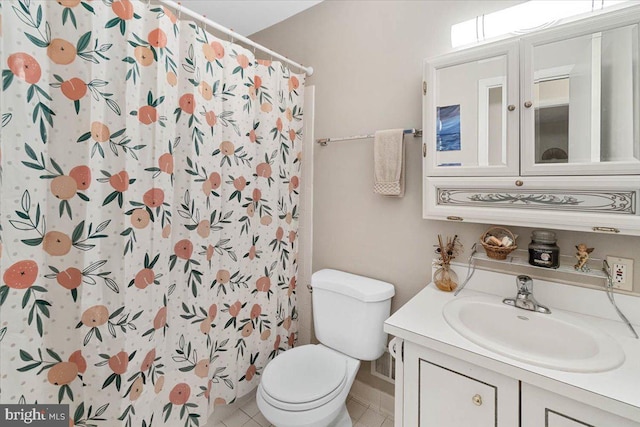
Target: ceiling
(248,16)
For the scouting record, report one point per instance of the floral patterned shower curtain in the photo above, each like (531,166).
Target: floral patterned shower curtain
(149,209)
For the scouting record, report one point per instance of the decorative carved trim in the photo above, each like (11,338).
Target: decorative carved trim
(619,202)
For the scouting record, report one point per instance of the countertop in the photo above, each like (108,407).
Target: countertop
(421,321)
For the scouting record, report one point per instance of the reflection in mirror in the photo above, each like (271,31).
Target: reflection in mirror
(552,120)
(471,113)
(586,98)
(492,126)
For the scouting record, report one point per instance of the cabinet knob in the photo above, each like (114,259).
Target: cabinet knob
(528,104)
(477,400)
(519,183)
(511,107)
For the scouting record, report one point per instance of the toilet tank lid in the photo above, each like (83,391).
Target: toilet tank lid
(359,287)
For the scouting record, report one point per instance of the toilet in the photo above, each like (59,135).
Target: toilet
(307,386)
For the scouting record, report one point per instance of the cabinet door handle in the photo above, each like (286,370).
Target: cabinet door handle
(477,400)
(511,107)
(528,104)
(606,229)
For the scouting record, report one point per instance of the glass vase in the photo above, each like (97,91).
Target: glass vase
(445,279)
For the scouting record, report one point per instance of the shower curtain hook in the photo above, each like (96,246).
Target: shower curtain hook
(204,22)
(148,4)
(179,10)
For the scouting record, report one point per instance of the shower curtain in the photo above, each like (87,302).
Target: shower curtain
(149,210)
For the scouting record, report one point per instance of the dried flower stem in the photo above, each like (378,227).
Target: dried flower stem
(447,251)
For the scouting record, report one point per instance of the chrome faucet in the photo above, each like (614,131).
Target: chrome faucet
(525,299)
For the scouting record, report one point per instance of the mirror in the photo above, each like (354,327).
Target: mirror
(586,98)
(471,126)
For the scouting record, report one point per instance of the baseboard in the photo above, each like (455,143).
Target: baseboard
(373,398)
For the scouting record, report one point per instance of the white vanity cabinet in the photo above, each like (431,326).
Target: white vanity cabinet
(538,130)
(443,392)
(520,371)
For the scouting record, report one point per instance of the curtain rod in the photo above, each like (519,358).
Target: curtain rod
(417,133)
(209,23)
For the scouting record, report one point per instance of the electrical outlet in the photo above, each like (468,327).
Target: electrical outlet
(621,272)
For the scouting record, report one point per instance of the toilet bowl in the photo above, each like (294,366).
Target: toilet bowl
(308,386)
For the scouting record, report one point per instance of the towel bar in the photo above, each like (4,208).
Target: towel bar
(323,141)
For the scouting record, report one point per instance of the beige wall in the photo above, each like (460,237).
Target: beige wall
(367,57)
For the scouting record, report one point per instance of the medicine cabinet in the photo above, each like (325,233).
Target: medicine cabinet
(540,130)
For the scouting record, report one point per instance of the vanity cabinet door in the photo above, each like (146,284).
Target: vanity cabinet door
(471,112)
(440,391)
(450,398)
(541,408)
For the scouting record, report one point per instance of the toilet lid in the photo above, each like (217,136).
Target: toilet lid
(304,377)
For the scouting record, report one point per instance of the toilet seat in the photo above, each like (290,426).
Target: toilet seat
(304,378)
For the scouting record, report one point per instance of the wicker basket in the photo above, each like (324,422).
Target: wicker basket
(498,252)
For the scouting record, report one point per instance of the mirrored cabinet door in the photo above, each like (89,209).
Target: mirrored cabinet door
(579,104)
(471,113)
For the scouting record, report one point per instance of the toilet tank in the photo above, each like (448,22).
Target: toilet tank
(349,312)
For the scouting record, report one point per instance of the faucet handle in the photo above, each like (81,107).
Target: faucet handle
(524,284)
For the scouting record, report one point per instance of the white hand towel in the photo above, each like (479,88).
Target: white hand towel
(388,162)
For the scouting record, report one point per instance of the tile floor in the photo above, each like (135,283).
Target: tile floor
(249,416)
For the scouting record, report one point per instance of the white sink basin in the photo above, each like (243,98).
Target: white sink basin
(556,341)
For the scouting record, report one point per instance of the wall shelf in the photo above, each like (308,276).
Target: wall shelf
(520,257)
